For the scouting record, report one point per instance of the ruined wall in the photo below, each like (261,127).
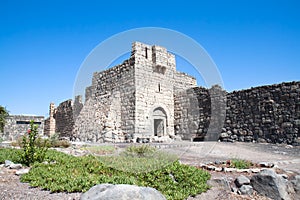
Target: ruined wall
(263,114)
(108,112)
(183,81)
(192,112)
(64,119)
(199,113)
(49,124)
(267,113)
(123,101)
(17,125)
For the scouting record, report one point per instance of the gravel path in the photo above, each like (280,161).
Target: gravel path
(284,156)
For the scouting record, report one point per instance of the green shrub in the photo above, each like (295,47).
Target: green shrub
(3,114)
(240,164)
(61,143)
(10,154)
(140,150)
(53,141)
(34,149)
(67,173)
(56,142)
(17,142)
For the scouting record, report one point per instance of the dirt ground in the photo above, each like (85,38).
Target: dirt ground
(284,156)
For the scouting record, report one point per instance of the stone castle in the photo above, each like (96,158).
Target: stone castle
(145,99)
(133,100)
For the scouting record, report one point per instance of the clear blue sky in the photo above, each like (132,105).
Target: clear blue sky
(43,43)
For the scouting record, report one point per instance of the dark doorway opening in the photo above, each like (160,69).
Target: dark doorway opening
(158,127)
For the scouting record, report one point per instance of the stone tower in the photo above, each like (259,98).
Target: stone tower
(154,90)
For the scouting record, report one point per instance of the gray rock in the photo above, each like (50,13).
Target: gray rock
(243,170)
(224,135)
(22,171)
(234,190)
(269,184)
(255,170)
(221,183)
(211,167)
(246,190)
(122,192)
(218,169)
(242,180)
(229,169)
(296,184)
(15,166)
(8,163)
(266,164)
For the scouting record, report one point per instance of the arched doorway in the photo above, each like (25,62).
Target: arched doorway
(159,122)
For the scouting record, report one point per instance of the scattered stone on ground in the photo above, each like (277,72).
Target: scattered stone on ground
(272,185)
(242,180)
(15,166)
(22,171)
(296,183)
(246,190)
(8,163)
(122,192)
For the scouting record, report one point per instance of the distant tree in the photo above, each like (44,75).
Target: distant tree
(3,115)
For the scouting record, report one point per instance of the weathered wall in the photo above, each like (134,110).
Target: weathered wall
(145,96)
(200,112)
(263,114)
(183,81)
(108,112)
(268,113)
(18,125)
(154,80)
(64,119)
(49,124)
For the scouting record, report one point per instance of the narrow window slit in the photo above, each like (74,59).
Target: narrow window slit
(146,52)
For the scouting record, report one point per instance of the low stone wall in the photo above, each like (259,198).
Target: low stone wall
(18,125)
(263,114)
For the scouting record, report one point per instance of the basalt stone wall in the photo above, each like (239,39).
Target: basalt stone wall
(262,114)
(200,113)
(64,119)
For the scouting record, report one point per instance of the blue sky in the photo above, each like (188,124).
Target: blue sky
(43,43)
